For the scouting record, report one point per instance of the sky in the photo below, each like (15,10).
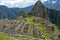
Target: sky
(19,3)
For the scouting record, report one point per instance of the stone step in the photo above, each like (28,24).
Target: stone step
(22,29)
(15,25)
(19,25)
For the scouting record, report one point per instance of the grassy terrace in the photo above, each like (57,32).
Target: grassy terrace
(4,37)
(41,28)
(22,38)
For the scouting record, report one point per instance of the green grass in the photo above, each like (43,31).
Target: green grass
(22,38)
(31,32)
(56,32)
(30,21)
(4,37)
(41,28)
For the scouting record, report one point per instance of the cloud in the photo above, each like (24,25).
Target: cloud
(44,0)
(18,3)
(53,2)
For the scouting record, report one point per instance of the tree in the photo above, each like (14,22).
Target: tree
(29,14)
(58,36)
(52,28)
(22,13)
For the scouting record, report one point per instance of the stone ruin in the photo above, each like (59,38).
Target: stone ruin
(17,28)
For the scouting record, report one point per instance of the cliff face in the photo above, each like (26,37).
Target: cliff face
(54,16)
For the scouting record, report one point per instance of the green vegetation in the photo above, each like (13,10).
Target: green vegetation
(31,21)
(58,36)
(31,32)
(32,38)
(52,28)
(22,13)
(4,37)
(41,28)
(55,33)
(22,38)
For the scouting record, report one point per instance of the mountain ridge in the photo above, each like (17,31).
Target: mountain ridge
(12,13)
(54,6)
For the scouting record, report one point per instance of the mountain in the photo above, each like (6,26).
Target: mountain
(5,12)
(53,10)
(12,13)
(41,10)
(38,9)
(53,4)
(54,16)
(27,9)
